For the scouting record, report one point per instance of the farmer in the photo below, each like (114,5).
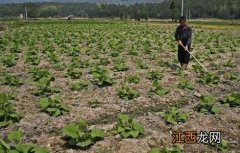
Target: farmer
(183,37)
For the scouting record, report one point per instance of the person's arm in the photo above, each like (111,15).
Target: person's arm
(177,38)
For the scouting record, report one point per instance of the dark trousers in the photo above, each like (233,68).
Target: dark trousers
(183,55)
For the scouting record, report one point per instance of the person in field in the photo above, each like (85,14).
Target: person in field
(183,36)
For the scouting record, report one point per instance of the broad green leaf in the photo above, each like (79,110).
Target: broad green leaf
(4,144)
(134,134)
(215,110)
(82,125)
(138,127)
(44,103)
(24,148)
(71,130)
(97,133)
(154,150)
(38,149)
(15,136)
(84,144)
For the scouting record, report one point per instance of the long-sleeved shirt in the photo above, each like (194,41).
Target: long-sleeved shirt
(184,34)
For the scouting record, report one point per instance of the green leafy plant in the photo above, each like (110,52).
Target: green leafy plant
(120,66)
(158,89)
(132,79)
(9,60)
(94,103)
(101,77)
(233,76)
(53,106)
(223,146)
(232,100)
(38,73)
(73,73)
(229,63)
(127,128)
(208,78)
(43,87)
(207,104)
(127,93)
(8,114)
(184,84)
(174,116)
(11,80)
(154,75)
(79,135)
(176,149)
(13,145)
(79,85)
(141,64)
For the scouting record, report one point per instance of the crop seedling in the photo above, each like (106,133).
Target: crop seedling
(223,146)
(101,77)
(38,73)
(158,89)
(94,103)
(127,94)
(120,66)
(207,104)
(176,149)
(8,115)
(13,145)
(173,116)
(53,106)
(127,128)
(9,60)
(132,79)
(141,65)
(79,135)
(43,87)
(79,85)
(154,75)
(184,84)
(73,73)
(231,100)
(11,80)
(210,79)
(233,76)
(104,61)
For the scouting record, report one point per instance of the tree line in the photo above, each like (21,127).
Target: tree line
(224,9)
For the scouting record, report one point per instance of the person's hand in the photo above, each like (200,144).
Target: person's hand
(179,42)
(186,48)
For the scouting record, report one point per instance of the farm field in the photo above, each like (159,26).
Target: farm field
(116,87)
